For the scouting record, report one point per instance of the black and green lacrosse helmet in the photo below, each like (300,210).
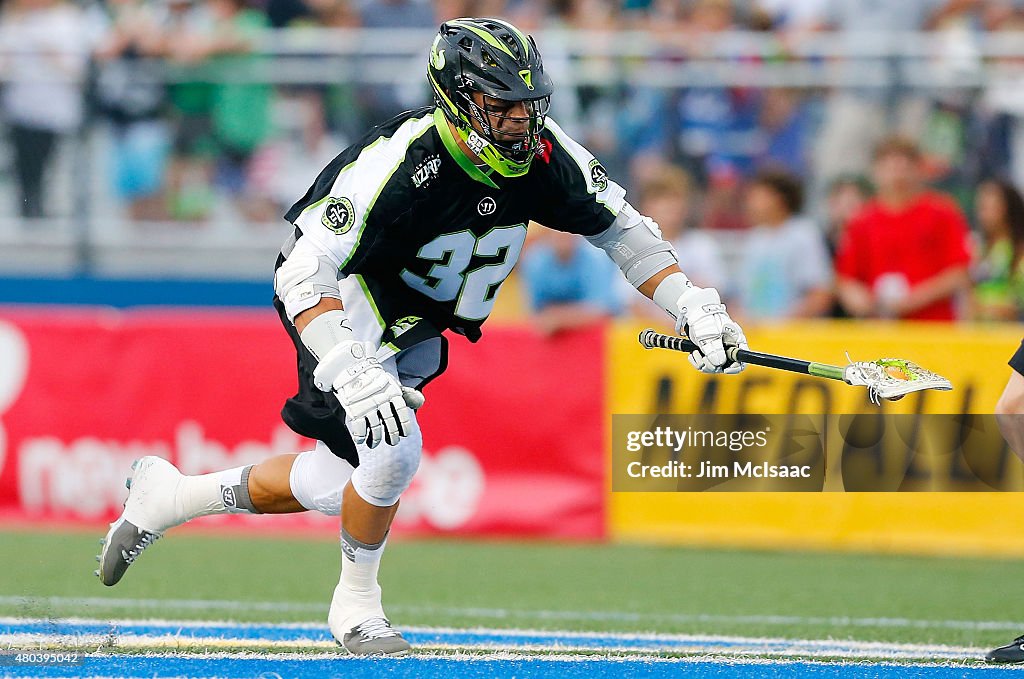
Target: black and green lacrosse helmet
(496,59)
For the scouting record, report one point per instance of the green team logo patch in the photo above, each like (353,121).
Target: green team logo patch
(339,215)
(598,175)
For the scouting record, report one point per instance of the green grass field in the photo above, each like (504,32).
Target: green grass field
(964,602)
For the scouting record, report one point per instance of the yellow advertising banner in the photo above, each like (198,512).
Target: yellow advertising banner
(974,358)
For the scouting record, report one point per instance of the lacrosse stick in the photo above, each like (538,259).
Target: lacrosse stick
(889,378)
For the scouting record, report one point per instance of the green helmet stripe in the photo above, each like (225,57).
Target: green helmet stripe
(444,98)
(519,35)
(487,37)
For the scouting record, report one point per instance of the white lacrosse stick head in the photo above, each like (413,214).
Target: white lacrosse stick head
(892,378)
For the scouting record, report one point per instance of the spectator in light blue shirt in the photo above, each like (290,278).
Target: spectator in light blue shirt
(784,270)
(569,283)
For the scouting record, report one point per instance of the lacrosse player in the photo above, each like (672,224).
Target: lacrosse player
(407,233)
(1010,416)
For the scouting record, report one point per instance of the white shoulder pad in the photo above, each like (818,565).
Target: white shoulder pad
(304,279)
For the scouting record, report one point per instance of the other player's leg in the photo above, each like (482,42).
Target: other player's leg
(1013,652)
(1010,418)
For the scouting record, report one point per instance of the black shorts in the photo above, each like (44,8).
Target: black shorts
(313,413)
(1017,360)
(318,415)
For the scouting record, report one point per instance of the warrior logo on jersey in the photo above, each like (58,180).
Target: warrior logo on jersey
(598,175)
(486,206)
(339,215)
(426,171)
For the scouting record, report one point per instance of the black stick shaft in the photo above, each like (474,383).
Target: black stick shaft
(652,340)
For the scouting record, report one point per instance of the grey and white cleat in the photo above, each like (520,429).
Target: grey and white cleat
(124,543)
(375,636)
(149,511)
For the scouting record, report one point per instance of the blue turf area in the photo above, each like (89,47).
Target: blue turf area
(444,668)
(496,639)
(499,653)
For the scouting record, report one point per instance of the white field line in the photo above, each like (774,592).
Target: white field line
(131,626)
(470,657)
(176,604)
(175,635)
(512,614)
(328,651)
(800,649)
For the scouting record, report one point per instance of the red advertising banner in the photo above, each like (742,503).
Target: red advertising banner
(513,430)
(531,412)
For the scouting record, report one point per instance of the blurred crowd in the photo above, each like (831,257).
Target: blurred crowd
(889,247)
(883,198)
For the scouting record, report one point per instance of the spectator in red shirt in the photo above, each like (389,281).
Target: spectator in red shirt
(906,253)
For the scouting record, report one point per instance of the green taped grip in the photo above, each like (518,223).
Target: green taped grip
(832,372)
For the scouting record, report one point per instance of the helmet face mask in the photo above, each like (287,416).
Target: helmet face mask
(512,127)
(489,81)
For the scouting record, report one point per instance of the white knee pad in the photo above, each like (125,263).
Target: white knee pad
(386,471)
(317,479)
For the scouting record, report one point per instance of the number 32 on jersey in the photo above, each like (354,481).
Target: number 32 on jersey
(448,279)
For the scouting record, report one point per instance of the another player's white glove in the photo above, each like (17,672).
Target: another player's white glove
(377,406)
(702,317)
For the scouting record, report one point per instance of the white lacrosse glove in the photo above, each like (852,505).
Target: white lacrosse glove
(377,406)
(702,317)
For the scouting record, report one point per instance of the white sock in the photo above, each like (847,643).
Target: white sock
(360,563)
(357,598)
(224,492)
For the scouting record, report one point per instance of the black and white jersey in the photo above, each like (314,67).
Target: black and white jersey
(419,232)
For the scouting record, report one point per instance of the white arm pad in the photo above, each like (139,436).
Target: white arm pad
(635,244)
(304,278)
(668,292)
(325,332)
